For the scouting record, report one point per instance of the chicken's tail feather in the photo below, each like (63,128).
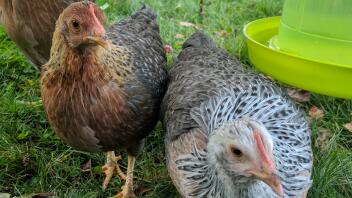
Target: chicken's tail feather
(199,40)
(145,12)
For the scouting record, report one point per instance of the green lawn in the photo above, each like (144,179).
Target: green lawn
(34,160)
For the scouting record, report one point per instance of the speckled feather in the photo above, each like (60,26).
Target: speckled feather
(113,101)
(209,88)
(31,23)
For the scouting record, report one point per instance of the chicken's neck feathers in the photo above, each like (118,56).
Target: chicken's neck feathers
(92,64)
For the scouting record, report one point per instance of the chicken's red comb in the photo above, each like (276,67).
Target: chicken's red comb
(98,28)
(263,153)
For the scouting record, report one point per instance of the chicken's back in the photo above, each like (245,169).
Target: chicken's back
(139,33)
(201,72)
(31,23)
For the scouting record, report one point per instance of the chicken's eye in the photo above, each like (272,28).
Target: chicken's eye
(75,24)
(237,152)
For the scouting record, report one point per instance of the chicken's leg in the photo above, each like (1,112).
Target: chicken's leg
(110,167)
(127,189)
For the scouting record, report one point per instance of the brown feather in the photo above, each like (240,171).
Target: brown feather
(95,98)
(31,23)
(183,145)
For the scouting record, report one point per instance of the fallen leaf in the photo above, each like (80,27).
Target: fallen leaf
(5,195)
(142,190)
(221,33)
(315,113)
(86,167)
(179,36)
(298,95)
(268,77)
(105,6)
(168,49)
(26,159)
(348,126)
(324,135)
(186,24)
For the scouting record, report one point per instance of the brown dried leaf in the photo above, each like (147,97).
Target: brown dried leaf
(348,126)
(186,24)
(141,190)
(26,160)
(298,95)
(269,77)
(87,167)
(315,113)
(179,36)
(324,135)
(168,49)
(221,33)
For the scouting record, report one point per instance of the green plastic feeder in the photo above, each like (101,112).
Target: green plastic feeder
(310,47)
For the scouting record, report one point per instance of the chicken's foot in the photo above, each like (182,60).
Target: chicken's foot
(127,189)
(110,167)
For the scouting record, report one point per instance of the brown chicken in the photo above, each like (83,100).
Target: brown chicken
(101,89)
(30,24)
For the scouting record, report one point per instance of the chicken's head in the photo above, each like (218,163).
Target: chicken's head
(243,150)
(81,24)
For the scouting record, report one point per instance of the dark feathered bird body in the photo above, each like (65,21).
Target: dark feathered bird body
(100,99)
(208,89)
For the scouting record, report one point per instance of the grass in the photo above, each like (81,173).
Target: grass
(34,160)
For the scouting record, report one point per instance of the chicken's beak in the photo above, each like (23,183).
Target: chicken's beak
(97,40)
(271,179)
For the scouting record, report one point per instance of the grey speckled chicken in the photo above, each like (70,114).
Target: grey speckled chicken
(102,89)
(30,24)
(232,132)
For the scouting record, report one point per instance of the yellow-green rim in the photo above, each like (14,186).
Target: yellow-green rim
(281,52)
